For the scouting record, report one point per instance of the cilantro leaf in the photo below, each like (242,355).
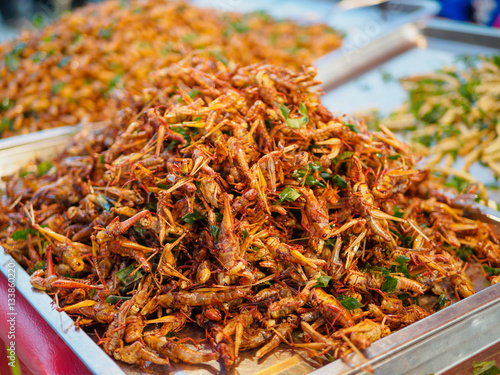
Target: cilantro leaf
(124,275)
(191,218)
(398,212)
(394,157)
(353,128)
(441,302)
(407,241)
(464,252)
(244,234)
(43,167)
(340,181)
(215,230)
(40,265)
(295,123)
(351,303)
(389,284)
(491,271)
(113,300)
(402,266)
(23,234)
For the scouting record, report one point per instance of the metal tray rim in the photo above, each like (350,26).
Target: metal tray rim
(82,345)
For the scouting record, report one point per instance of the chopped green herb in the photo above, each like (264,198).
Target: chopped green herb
(193,93)
(162,186)
(39,20)
(491,271)
(105,33)
(329,357)
(389,284)
(434,115)
(289,194)
(310,180)
(398,212)
(218,217)
(402,266)
(191,218)
(113,83)
(57,87)
(403,296)
(106,203)
(343,156)
(323,281)
(315,167)
(464,252)
(441,302)
(6,104)
(240,27)
(244,234)
(339,181)
(64,61)
(295,123)
(189,37)
(39,56)
(23,234)
(351,303)
(139,229)
(407,241)
(458,183)
(43,167)
(12,61)
(124,275)
(386,76)
(6,124)
(493,185)
(394,157)
(353,128)
(214,229)
(113,300)
(40,265)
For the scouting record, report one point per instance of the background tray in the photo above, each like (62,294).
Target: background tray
(361,26)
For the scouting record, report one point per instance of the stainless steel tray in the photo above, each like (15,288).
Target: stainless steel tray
(361,27)
(431,345)
(37,137)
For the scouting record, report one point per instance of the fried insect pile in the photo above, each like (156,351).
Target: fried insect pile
(65,73)
(232,200)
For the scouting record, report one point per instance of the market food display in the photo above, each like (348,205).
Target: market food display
(65,73)
(232,200)
(454,112)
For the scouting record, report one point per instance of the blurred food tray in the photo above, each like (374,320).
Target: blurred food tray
(361,26)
